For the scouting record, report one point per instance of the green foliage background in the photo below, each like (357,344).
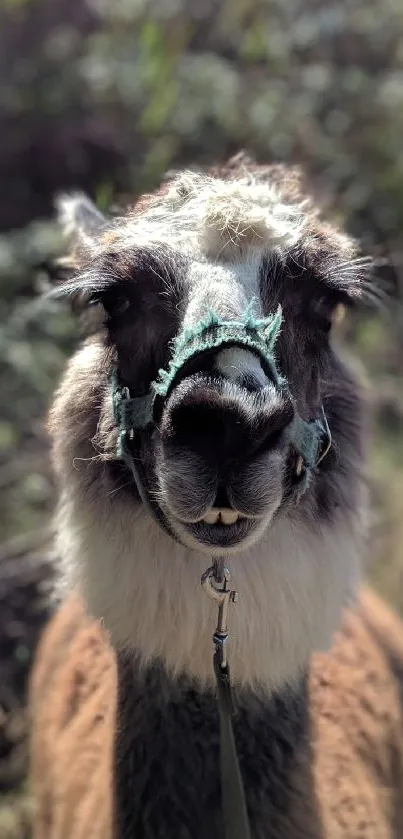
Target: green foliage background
(106,96)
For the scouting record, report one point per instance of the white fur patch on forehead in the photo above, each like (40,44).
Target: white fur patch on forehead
(239,216)
(218,219)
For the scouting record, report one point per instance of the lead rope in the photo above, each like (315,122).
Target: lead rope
(215,582)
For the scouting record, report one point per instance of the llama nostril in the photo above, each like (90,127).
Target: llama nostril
(251,383)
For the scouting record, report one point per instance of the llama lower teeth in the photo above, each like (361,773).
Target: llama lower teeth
(228,516)
(212,516)
(220,515)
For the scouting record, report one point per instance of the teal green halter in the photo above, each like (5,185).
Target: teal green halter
(135,414)
(212,333)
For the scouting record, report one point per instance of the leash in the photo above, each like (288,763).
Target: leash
(215,582)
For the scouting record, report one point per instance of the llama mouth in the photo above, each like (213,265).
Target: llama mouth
(221,528)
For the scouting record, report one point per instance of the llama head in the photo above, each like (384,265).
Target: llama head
(219,460)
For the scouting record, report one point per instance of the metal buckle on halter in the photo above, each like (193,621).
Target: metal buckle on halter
(324,445)
(328,438)
(125,394)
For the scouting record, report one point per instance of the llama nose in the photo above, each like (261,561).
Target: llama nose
(223,423)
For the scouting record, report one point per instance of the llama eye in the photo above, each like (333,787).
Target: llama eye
(325,324)
(116,304)
(322,319)
(322,313)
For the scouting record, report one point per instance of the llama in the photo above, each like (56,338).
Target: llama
(210,414)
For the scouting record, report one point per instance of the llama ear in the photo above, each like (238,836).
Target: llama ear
(80,220)
(81,223)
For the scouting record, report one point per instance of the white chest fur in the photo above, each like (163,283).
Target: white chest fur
(292,586)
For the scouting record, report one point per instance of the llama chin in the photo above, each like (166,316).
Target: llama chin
(271,435)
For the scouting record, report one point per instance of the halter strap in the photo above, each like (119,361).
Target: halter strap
(259,335)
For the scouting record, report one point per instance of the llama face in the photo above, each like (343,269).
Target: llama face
(218,459)
(223,464)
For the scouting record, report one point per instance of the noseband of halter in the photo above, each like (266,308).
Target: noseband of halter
(135,414)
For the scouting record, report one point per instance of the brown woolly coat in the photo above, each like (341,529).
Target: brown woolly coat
(356,719)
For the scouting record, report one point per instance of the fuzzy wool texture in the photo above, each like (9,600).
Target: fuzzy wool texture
(207,217)
(73,711)
(346,783)
(220,219)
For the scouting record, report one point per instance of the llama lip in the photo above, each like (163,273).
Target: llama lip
(219,534)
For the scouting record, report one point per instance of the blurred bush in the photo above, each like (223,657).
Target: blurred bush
(106,96)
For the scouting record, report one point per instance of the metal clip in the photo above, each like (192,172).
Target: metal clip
(328,438)
(125,394)
(219,575)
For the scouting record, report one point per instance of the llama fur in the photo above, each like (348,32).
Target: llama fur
(123,681)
